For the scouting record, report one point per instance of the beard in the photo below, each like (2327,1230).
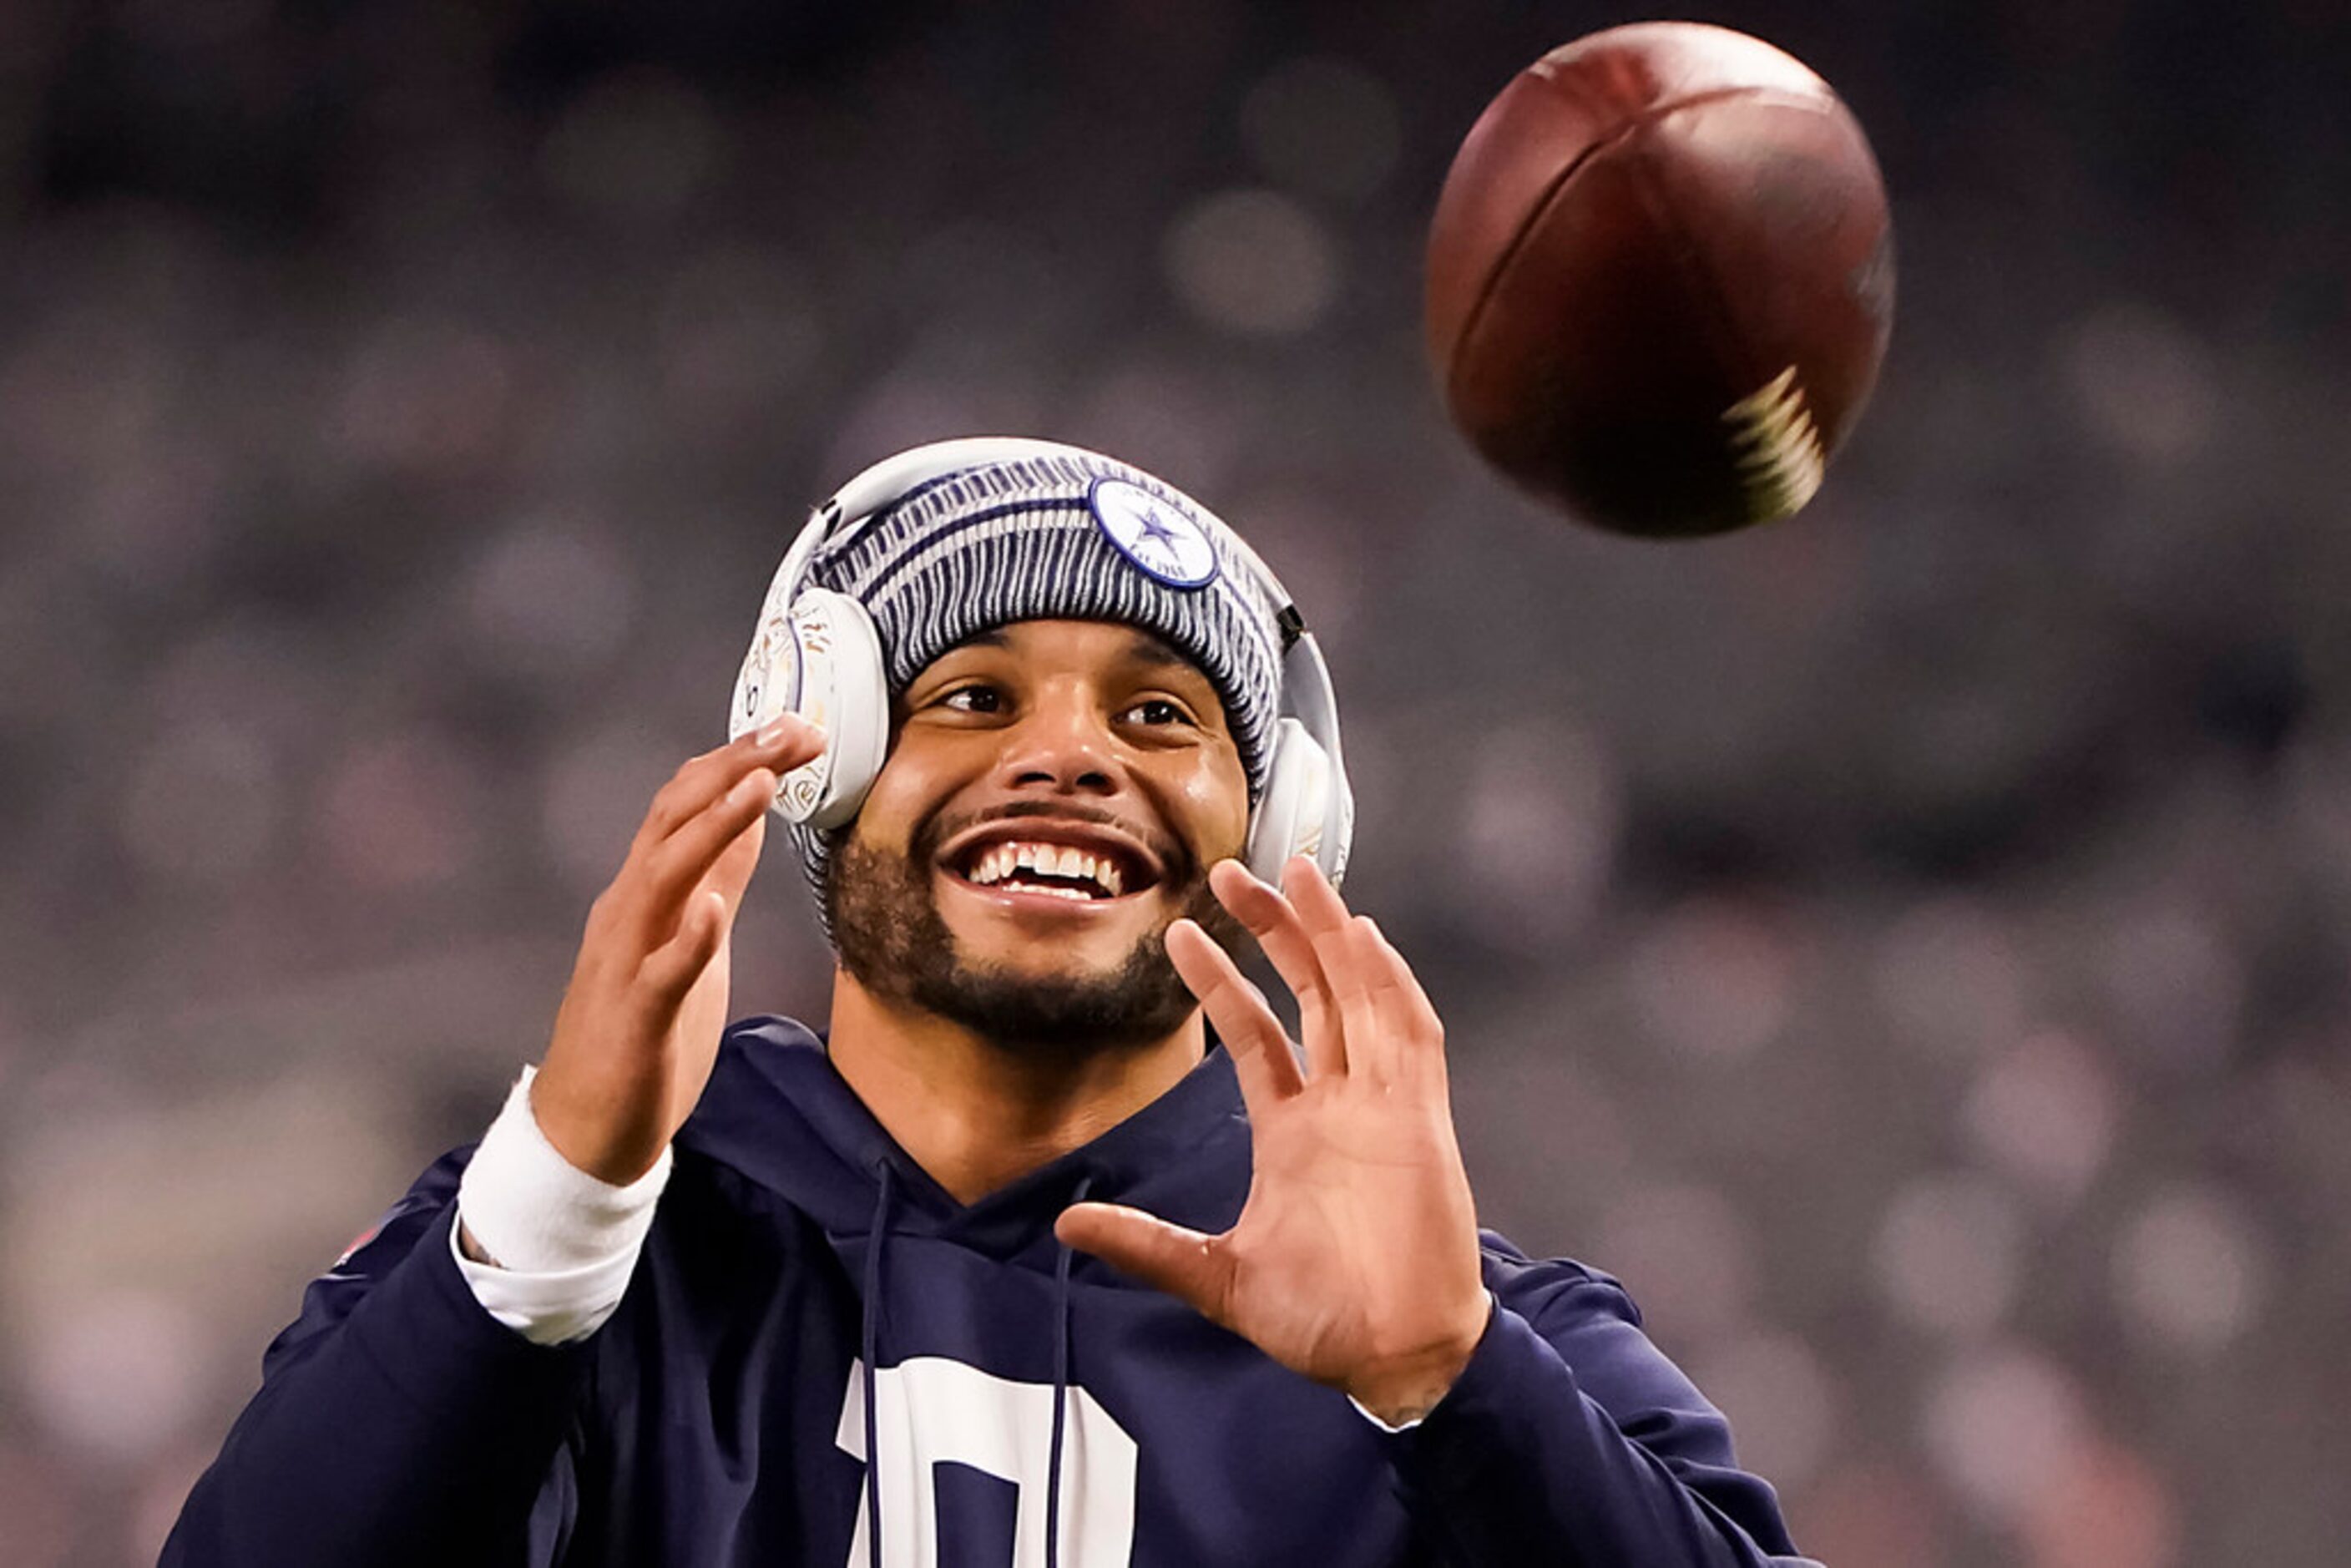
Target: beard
(892,938)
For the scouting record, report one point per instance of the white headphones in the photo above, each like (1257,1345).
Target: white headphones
(816,653)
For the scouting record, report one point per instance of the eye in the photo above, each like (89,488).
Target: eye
(1154,712)
(974,698)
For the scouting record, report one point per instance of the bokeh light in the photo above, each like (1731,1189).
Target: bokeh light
(1253,262)
(2190,1270)
(2000,1424)
(2045,1113)
(1949,1254)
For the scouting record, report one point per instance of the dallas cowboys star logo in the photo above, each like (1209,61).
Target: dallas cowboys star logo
(1162,542)
(1156,531)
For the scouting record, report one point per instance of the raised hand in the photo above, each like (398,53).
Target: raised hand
(639,1027)
(1354,1260)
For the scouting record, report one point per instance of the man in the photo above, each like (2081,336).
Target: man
(1051,1250)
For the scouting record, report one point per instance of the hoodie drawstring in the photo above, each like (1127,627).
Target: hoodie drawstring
(870,1338)
(1061,1391)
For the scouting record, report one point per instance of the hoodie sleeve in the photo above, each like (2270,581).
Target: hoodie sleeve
(397,1422)
(1571,1439)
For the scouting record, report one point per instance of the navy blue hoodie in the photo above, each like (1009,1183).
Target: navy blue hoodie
(808,1296)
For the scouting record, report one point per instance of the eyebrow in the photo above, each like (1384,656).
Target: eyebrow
(1145,649)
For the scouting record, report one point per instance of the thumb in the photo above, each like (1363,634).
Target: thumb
(1186,1264)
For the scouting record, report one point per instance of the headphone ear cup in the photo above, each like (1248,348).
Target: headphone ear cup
(822,660)
(845,689)
(770,682)
(1290,813)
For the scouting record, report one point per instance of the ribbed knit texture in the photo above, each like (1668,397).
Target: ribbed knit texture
(1019,541)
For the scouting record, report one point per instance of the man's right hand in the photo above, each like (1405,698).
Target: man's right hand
(640,1023)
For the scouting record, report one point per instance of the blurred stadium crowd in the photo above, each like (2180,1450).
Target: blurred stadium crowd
(1907,944)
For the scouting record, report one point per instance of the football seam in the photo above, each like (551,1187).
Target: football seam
(1471,321)
(1767,495)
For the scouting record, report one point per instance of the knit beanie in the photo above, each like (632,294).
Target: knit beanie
(1064,536)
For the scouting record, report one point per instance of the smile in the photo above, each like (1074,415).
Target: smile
(1081,865)
(1047,868)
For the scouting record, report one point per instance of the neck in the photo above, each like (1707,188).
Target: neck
(978,1115)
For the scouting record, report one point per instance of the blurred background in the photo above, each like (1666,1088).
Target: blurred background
(1907,944)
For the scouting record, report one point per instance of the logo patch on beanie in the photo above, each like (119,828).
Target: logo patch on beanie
(1155,535)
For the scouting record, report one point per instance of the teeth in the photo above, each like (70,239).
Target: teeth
(1001,861)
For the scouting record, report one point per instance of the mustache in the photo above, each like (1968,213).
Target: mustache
(1177,857)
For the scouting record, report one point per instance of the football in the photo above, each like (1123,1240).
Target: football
(1661,279)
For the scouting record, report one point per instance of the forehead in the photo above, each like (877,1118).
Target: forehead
(1101,645)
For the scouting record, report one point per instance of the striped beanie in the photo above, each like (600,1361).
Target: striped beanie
(1066,536)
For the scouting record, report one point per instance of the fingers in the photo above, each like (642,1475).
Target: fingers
(779,747)
(1268,918)
(1400,993)
(1339,948)
(1374,1046)
(1236,1009)
(671,969)
(1386,1019)
(1184,1263)
(699,815)
(677,865)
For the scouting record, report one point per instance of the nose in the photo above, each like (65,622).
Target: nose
(1061,745)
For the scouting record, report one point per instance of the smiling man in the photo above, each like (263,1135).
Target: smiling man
(1038,920)
(1053,1249)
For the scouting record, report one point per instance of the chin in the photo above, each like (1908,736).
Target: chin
(1050,963)
(1032,971)
(1051,943)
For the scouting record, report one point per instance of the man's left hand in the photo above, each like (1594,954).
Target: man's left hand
(1354,1260)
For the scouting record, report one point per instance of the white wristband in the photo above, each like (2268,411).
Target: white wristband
(1493,1306)
(565,1243)
(1365,1412)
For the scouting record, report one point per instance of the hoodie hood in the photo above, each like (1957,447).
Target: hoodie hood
(778,1113)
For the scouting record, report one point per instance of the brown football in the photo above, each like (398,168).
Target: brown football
(1660,279)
